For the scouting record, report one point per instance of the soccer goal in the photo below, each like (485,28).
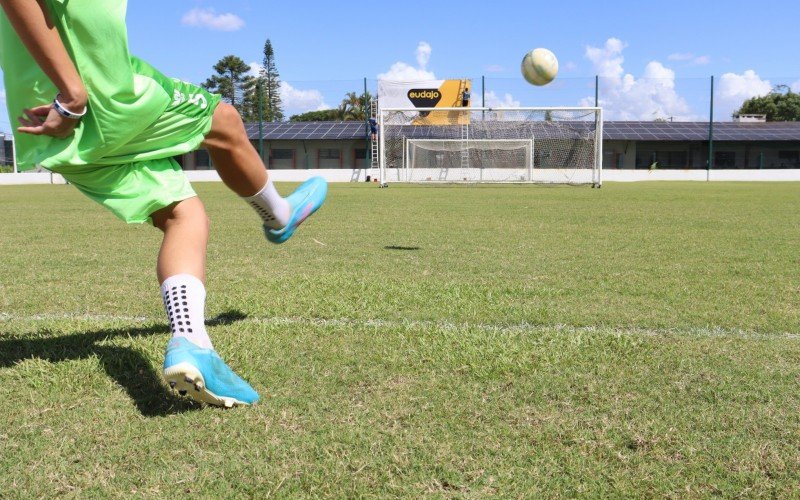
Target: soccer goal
(473,145)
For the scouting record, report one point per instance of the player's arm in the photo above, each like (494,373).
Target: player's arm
(41,38)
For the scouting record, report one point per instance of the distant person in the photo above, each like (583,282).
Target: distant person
(465,98)
(110,124)
(373,129)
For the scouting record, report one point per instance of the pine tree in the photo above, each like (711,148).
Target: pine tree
(271,86)
(233,83)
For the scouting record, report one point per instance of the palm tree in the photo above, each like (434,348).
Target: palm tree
(354,107)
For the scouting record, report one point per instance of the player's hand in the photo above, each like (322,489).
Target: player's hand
(45,120)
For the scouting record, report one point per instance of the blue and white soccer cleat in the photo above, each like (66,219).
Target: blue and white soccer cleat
(201,375)
(306,200)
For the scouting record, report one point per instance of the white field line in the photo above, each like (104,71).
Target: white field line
(423,325)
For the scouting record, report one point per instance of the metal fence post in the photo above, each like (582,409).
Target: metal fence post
(710,134)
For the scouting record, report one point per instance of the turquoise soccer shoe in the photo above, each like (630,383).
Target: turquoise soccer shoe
(304,201)
(201,375)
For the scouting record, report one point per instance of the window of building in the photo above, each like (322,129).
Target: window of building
(282,154)
(202,160)
(724,159)
(361,154)
(789,159)
(671,159)
(6,152)
(329,154)
(646,159)
(662,159)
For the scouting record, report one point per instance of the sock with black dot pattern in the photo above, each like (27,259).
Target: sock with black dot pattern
(274,210)
(185,301)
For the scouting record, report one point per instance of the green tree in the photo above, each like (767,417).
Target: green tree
(233,83)
(250,103)
(270,86)
(325,115)
(780,105)
(353,107)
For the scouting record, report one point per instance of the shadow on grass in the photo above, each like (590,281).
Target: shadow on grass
(130,368)
(397,247)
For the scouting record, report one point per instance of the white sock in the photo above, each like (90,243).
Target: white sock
(185,302)
(274,210)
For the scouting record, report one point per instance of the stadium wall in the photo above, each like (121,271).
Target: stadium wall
(360,175)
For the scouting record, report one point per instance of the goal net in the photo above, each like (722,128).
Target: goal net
(542,145)
(430,158)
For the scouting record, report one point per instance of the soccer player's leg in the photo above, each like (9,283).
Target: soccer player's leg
(157,191)
(191,366)
(240,167)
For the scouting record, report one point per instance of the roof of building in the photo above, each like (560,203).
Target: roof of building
(288,131)
(698,131)
(612,130)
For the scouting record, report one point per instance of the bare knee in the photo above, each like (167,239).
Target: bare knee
(226,116)
(227,128)
(190,211)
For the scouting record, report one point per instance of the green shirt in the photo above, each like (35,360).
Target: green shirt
(126,95)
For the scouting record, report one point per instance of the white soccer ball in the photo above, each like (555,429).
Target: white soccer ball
(539,66)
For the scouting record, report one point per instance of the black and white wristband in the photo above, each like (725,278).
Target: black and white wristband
(65,112)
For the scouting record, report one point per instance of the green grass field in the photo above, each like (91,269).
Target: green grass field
(638,340)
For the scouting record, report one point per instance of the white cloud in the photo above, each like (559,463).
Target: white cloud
(625,97)
(608,60)
(681,56)
(744,86)
(795,86)
(493,101)
(208,18)
(295,100)
(495,68)
(734,89)
(423,54)
(404,72)
(690,57)
(654,94)
(570,66)
(255,69)
(702,60)
(301,100)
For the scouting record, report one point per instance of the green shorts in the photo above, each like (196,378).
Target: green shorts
(133,191)
(142,176)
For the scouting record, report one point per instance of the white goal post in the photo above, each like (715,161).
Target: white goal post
(473,145)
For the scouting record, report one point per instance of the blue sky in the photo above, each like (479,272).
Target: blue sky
(655,57)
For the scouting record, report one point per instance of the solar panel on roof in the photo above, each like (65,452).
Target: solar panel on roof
(625,130)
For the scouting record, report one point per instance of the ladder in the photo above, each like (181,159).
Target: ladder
(464,146)
(462,87)
(374,144)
